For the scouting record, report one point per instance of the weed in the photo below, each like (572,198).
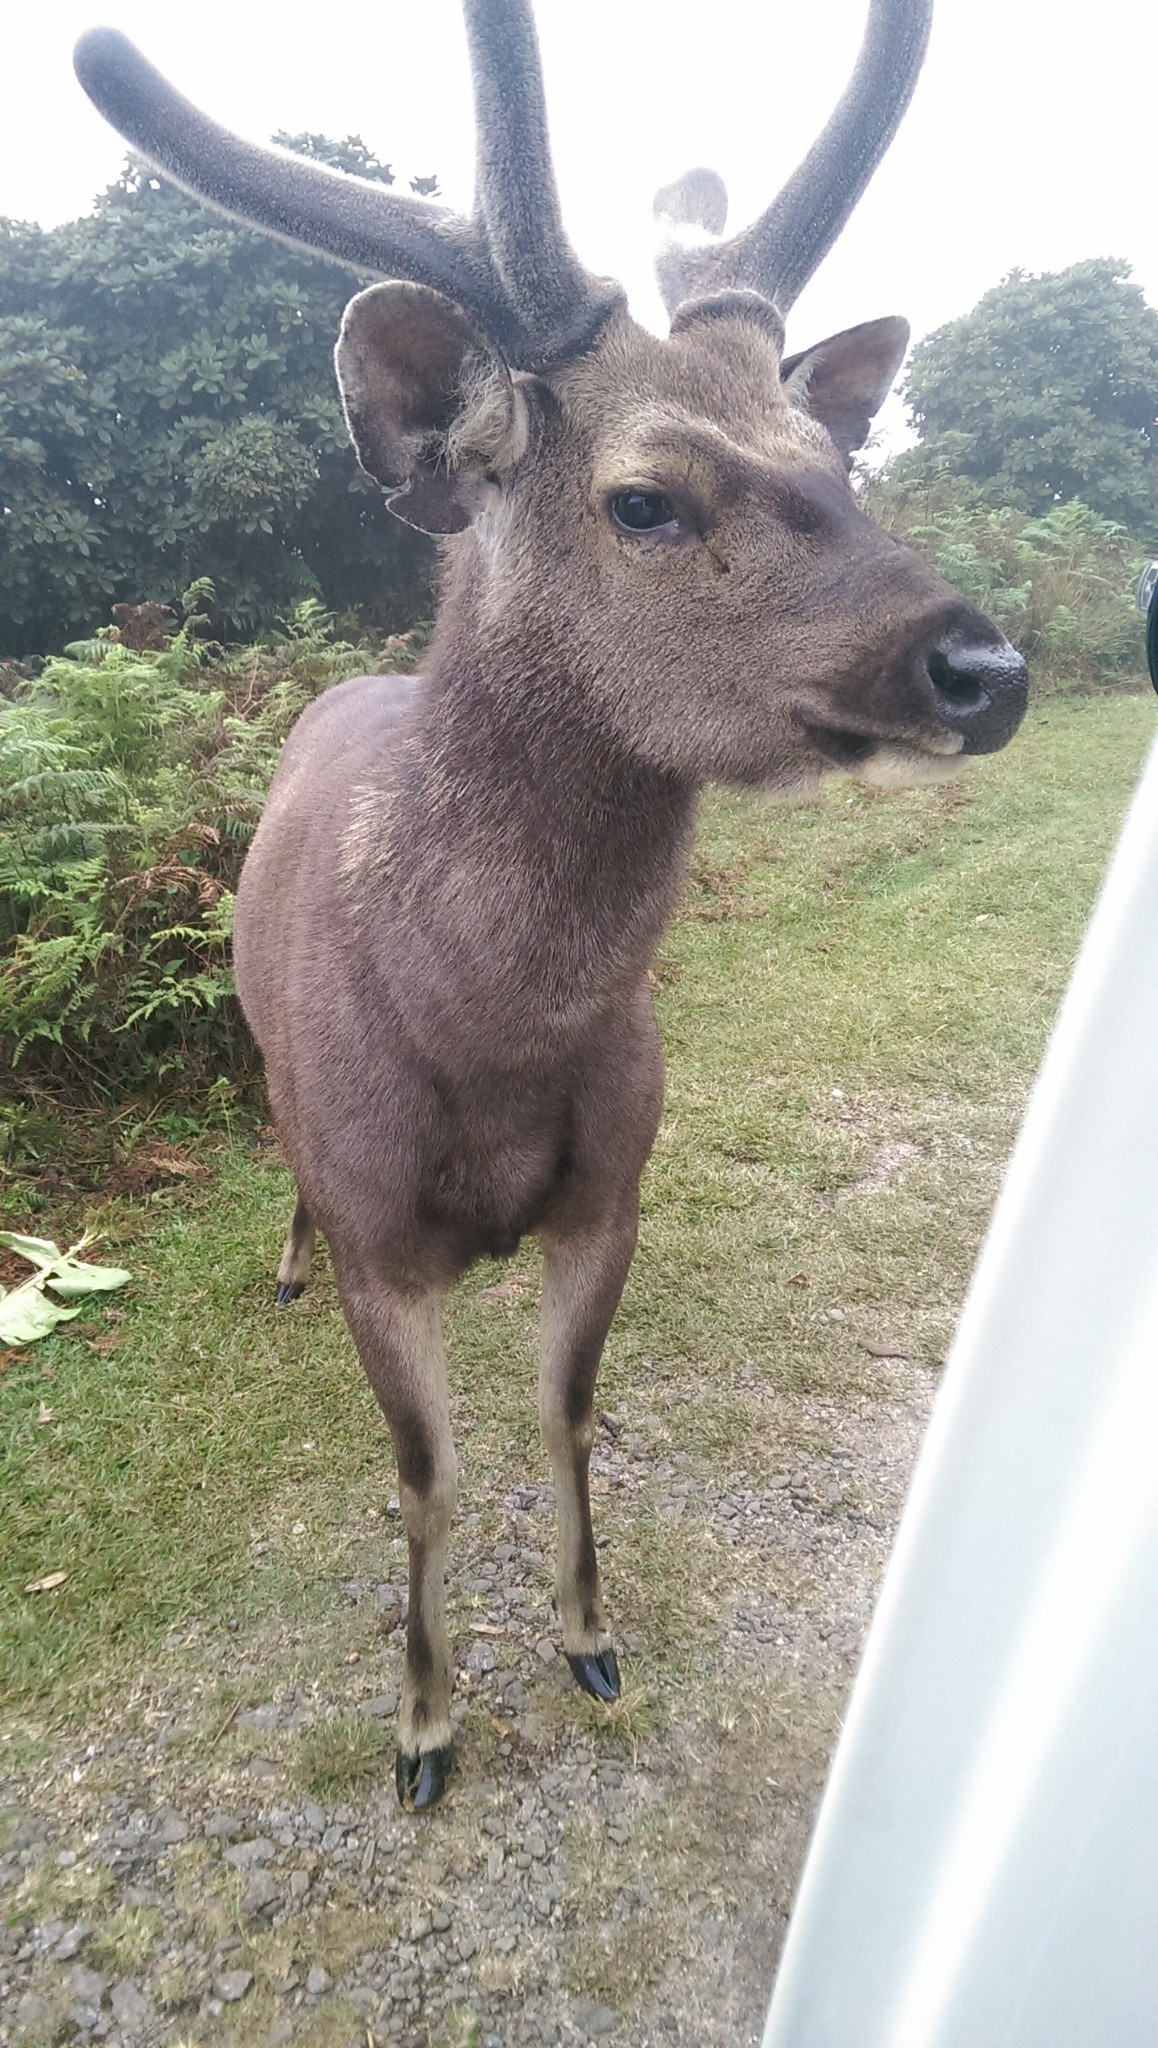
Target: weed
(126,1939)
(341,1755)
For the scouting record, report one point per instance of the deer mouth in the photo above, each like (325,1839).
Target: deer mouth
(840,749)
(886,762)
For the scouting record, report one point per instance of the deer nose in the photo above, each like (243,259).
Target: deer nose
(980,692)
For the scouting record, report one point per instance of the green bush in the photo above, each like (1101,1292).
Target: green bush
(133,783)
(1061,586)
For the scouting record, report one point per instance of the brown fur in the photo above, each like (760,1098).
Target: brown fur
(445,922)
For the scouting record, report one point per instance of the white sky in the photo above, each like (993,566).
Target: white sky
(1032,139)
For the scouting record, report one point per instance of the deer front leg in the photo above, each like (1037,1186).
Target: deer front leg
(583,1276)
(400,1344)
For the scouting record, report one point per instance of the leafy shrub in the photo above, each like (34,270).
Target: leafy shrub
(1061,586)
(133,783)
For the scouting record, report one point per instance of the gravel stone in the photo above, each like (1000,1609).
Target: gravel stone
(86,1985)
(70,1942)
(593,2019)
(232,1985)
(131,2009)
(261,1894)
(318,1982)
(33,2015)
(247,1855)
(222,1825)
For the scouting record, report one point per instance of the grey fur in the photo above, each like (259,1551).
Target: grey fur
(445,922)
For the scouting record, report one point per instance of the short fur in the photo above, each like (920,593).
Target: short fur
(445,922)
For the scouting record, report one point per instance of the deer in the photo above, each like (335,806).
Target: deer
(655,575)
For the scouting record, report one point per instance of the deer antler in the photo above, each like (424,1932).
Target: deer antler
(779,252)
(510,266)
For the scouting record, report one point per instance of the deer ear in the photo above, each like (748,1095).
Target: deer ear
(843,381)
(430,405)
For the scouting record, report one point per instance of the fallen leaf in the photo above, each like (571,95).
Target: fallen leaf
(46,1584)
(885,1350)
(26,1314)
(46,1413)
(485,1628)
(76,1276)
(39,1251)
(798,1279)
(507,1290)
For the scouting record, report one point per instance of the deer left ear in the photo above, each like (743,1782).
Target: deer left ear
(430,404)
(843,381)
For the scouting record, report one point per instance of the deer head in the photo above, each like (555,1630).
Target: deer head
(668,521)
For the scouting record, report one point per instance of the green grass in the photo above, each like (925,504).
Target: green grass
(342,1756)
(853,1004)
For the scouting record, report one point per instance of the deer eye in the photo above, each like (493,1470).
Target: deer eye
(643,512)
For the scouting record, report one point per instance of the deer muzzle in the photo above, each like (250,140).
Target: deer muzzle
(979,691)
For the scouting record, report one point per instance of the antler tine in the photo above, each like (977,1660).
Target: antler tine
(559,304)
(350,219)
(779,252)
(691,214)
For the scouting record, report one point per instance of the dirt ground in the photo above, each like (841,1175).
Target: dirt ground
(622,1878)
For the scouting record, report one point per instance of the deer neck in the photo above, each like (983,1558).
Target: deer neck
(532,863)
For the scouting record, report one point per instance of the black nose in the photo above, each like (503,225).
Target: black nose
(980,691)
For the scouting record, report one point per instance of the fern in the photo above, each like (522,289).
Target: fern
(132,786)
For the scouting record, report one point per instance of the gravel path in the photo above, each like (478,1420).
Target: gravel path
(622,1884)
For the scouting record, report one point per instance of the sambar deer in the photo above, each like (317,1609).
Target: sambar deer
(659,576)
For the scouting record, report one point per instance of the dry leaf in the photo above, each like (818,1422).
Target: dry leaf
(507,1290)
(46,1585)
(46,1413)
(884,1350)
(798,1279)
(485,1628)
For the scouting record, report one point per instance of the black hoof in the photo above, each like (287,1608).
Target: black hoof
(287,1291)
(421,1780)
(597,1675)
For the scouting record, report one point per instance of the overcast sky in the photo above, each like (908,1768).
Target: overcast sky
(1032,139)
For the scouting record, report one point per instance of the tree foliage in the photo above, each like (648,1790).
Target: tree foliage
(168,411)
(1046,391)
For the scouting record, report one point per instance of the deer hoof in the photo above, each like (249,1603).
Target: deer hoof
(597,1675)
(421,1780)
(287,1291)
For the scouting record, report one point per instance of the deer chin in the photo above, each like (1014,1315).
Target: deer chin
(905,767)
(886,764)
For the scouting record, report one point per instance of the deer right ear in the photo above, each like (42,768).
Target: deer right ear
(430,405)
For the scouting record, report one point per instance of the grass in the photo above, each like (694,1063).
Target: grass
(341,1756)
(854,1001)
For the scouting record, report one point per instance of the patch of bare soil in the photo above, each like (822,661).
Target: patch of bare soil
(180,1874)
